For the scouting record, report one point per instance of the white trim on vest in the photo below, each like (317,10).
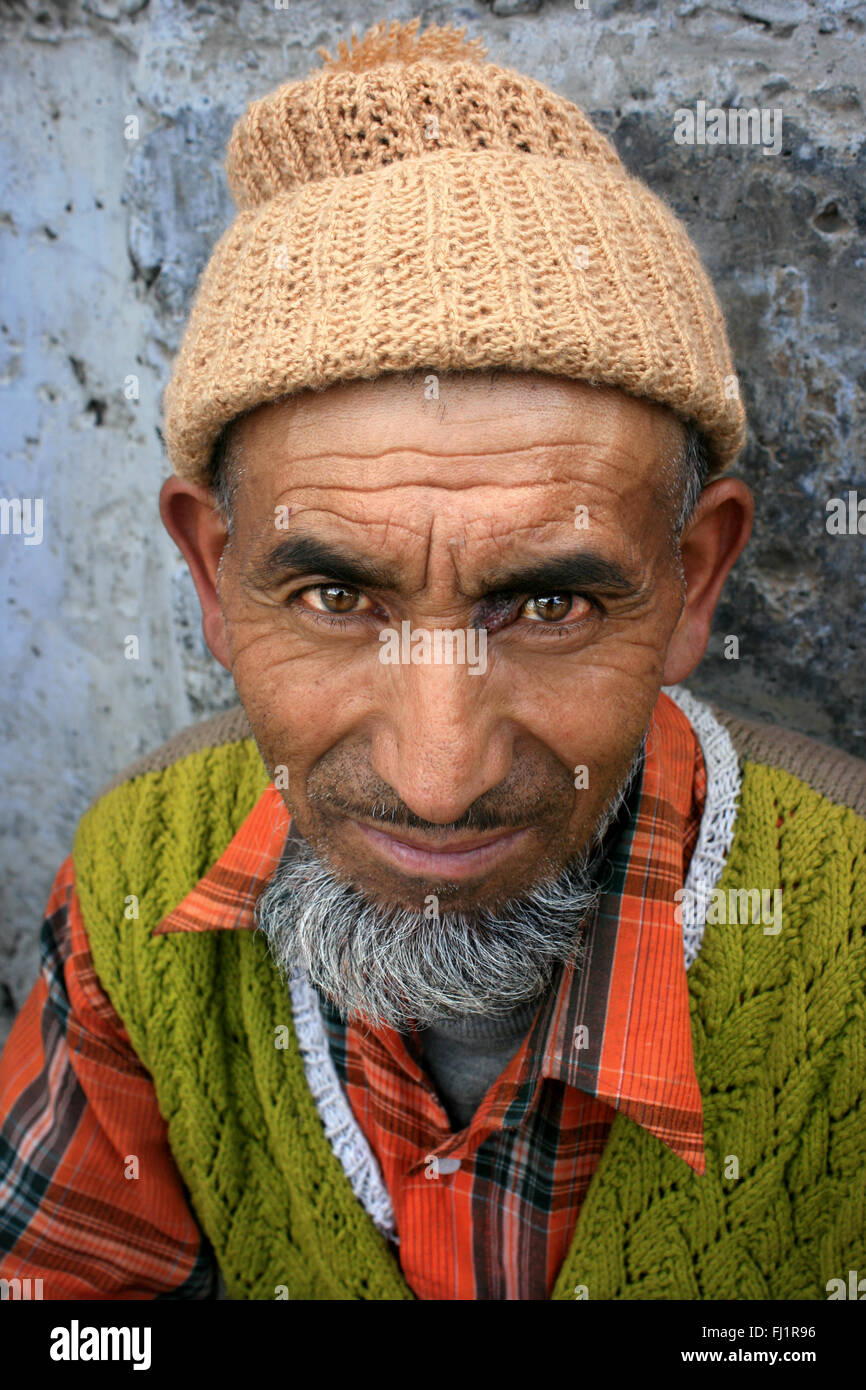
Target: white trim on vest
(342,1130)
(717,822)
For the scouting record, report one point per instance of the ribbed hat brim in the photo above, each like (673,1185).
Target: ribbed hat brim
(454,260)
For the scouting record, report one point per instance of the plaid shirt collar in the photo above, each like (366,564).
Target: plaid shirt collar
(618,1027)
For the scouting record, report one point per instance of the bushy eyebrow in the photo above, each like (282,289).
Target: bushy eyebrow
(580,569)
(299,555)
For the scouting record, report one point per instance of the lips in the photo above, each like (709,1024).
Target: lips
(456,857)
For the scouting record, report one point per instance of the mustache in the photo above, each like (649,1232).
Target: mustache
(524,798)
(477,817)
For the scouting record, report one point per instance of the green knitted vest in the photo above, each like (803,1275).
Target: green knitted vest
(779,1029)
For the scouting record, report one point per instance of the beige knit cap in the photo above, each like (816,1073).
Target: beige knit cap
(412,205)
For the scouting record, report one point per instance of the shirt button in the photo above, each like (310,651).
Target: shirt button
(435,1167)
(449,1165)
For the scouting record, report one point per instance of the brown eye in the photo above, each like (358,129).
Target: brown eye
(337,599)
(550,608)
(334,598)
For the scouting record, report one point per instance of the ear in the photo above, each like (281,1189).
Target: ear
(190,518)
(711,543)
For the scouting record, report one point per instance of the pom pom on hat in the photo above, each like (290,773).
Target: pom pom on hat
(395,42)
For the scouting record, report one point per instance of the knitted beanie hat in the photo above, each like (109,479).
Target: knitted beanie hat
(412,205)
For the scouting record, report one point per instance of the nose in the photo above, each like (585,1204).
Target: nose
(440,739)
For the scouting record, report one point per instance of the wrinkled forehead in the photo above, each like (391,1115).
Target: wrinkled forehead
(475,455)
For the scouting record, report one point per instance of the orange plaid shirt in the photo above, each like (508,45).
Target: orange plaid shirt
(498,1219)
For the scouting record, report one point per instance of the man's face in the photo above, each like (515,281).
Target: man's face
(531,508)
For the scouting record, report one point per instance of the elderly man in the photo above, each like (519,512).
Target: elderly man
(462,960)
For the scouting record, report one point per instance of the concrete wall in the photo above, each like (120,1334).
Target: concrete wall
(103,239)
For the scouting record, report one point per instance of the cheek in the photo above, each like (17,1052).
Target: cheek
(298,707)
(591,717)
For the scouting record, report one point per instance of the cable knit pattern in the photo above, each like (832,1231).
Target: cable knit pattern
(779,1030)
(779,1033)
(201,1011)
(413,205)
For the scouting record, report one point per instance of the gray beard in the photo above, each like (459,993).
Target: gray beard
(401,968)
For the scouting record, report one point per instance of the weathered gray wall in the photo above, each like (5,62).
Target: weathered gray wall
(103,239)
